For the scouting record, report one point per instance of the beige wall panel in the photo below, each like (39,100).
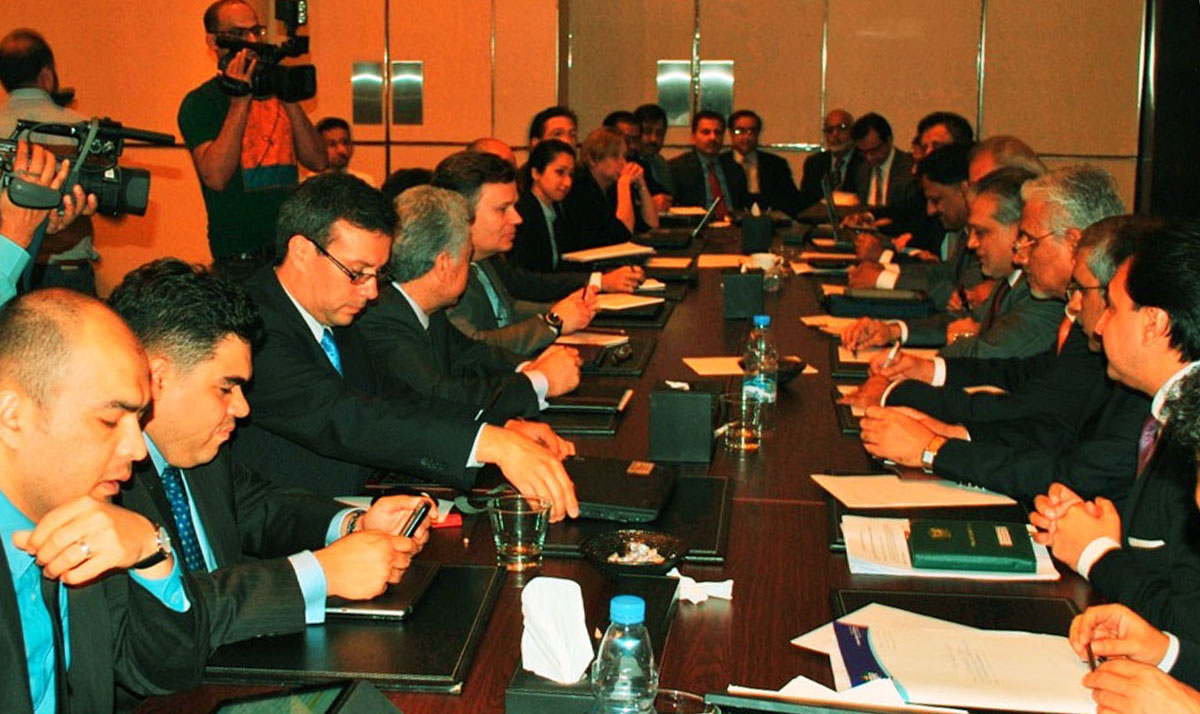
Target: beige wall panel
(420,156)
(1123,170)
(174,224)
(351,31)
(903,59)
(1063,74)
(526,64)
(776,52)
(616,46)
(453,38)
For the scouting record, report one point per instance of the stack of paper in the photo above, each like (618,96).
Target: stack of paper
(829,324)
(608,252)
(865,354)
(598,339)
(650,285)
(625,301)
(936,662)
(828,289)
(891,491)
(879,546)
(799,267)
(881,693)
(665,263)
(722,260)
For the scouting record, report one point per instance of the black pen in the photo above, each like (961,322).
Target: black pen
(1091,657)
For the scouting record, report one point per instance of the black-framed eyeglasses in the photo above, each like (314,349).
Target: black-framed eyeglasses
(255,33)
(1074,288)
(1024,240)
(356,278)
(830,128)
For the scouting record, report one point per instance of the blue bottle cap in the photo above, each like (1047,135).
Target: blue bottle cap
(627,610)
(762,320)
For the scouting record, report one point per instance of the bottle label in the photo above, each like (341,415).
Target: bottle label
(761,387)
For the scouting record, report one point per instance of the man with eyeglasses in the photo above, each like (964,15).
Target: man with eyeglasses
(245,148)
(322,418)
(1060,420)
(769,180)
(839,161)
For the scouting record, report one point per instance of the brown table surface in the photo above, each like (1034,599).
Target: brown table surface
(778,556)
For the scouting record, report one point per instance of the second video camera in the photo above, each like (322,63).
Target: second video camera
(291,83)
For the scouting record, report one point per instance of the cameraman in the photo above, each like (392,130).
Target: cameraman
(19,226)
(245,148)
(28,74)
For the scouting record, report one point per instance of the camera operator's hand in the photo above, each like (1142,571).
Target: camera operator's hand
(239,71)
(74,204)
(36,165)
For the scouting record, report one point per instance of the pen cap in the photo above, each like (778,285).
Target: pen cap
(627,610)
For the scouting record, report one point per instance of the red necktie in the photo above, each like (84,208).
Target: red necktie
(994,309)
(721,213)
(1147,441)
(1064,329)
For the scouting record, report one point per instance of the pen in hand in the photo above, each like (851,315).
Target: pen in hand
(891,356)
(1091,657)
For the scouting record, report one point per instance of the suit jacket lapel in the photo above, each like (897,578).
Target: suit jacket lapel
(12,643)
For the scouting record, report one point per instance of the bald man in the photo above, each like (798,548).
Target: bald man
(74,384)
(839,160)
(488,145)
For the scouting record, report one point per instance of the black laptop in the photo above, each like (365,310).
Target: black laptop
(675,237)
(620,489)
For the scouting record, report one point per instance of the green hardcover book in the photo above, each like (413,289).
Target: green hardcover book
(971,545)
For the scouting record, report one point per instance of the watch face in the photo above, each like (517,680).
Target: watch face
(164,539)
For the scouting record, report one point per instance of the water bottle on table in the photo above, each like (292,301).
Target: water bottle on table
(760,363)
(624,679)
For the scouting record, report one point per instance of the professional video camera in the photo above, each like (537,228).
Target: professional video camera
(291,83)
(93,167)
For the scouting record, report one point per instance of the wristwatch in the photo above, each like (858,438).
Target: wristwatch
(163,540)
(554,321)
(930,453)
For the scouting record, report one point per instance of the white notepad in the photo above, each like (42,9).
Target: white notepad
(608,252)
(891,491)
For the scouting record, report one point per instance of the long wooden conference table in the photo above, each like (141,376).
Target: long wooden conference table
(778,551)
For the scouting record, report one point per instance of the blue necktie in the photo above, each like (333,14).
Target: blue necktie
(331,349)
(172,481)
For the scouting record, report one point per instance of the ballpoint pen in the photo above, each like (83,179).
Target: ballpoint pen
(891,357)
(1091,657)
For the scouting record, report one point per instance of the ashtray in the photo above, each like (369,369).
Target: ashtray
(602,546)
(788,368)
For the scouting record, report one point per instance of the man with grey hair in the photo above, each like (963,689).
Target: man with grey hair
(412,339)
(1061,419)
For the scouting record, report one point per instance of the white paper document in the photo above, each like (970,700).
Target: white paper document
(608,252)
(800,267)
(625,301)
(598,339)
(846,390)
(879,546)
(891,491)
(650,285)
(686,211)
(665,263)
(829,324)
(722,260)
(818,255)
(724,366)
(823,242)
(880,693)
(983,669)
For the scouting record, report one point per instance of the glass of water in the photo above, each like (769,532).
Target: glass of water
(519,525)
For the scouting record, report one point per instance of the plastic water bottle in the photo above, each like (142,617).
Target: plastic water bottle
(624,679)
(760,363)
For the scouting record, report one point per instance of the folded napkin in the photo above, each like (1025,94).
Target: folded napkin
(695,592)
(555,642)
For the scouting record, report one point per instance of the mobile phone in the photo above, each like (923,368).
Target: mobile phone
(415,520)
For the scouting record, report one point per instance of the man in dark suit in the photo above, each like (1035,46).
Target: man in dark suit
(653,122)
(1142,555)
(491,309)
(73,385)
(268,556)
(839,161)
(413,341)
(703,174)
(1010,323)
(885,182)
(320,418)
(768,177)
(1086,438)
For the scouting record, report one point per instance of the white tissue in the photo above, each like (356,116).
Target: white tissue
(682,386)
(555,642)
(695,592)
(755,210)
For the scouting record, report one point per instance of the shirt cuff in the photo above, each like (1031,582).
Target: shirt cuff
(887,392)
(335,525)
(903,329)
(1094,552)
(1167,663)
(541,386)
(939,372)
(888,278)
(313,586)
(596,279)
(472,462)
(168,590)
(886,257)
